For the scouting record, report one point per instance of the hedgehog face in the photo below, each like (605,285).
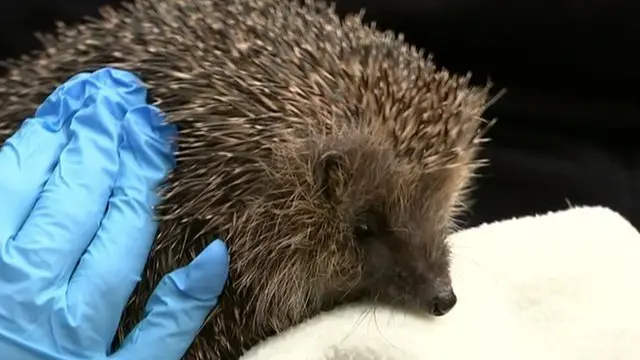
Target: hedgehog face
(405,262)
(346,218)
(393,217)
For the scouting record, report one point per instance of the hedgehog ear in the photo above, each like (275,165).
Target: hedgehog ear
(332,175)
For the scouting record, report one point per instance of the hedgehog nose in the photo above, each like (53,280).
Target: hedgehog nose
(442,303)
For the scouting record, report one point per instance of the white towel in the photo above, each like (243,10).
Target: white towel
(562,286)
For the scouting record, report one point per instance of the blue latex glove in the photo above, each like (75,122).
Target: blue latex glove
(77,187)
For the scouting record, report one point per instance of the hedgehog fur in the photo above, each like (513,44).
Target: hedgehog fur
(330,156)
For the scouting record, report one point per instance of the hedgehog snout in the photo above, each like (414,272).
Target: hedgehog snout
(442,302)
(441,298)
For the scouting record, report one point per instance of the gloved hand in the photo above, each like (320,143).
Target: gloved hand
(77,187)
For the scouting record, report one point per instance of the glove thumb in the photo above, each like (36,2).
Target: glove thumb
(204,278)
(178,307)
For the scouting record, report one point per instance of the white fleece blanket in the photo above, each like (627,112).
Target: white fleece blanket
(562,286)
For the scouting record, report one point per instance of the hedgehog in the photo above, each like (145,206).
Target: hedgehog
(332,157)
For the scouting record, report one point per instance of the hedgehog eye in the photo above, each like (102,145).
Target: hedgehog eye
(363,232)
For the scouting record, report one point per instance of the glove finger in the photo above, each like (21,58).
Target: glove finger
(68,212)
(111,267)
(178,308)
(28,158)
